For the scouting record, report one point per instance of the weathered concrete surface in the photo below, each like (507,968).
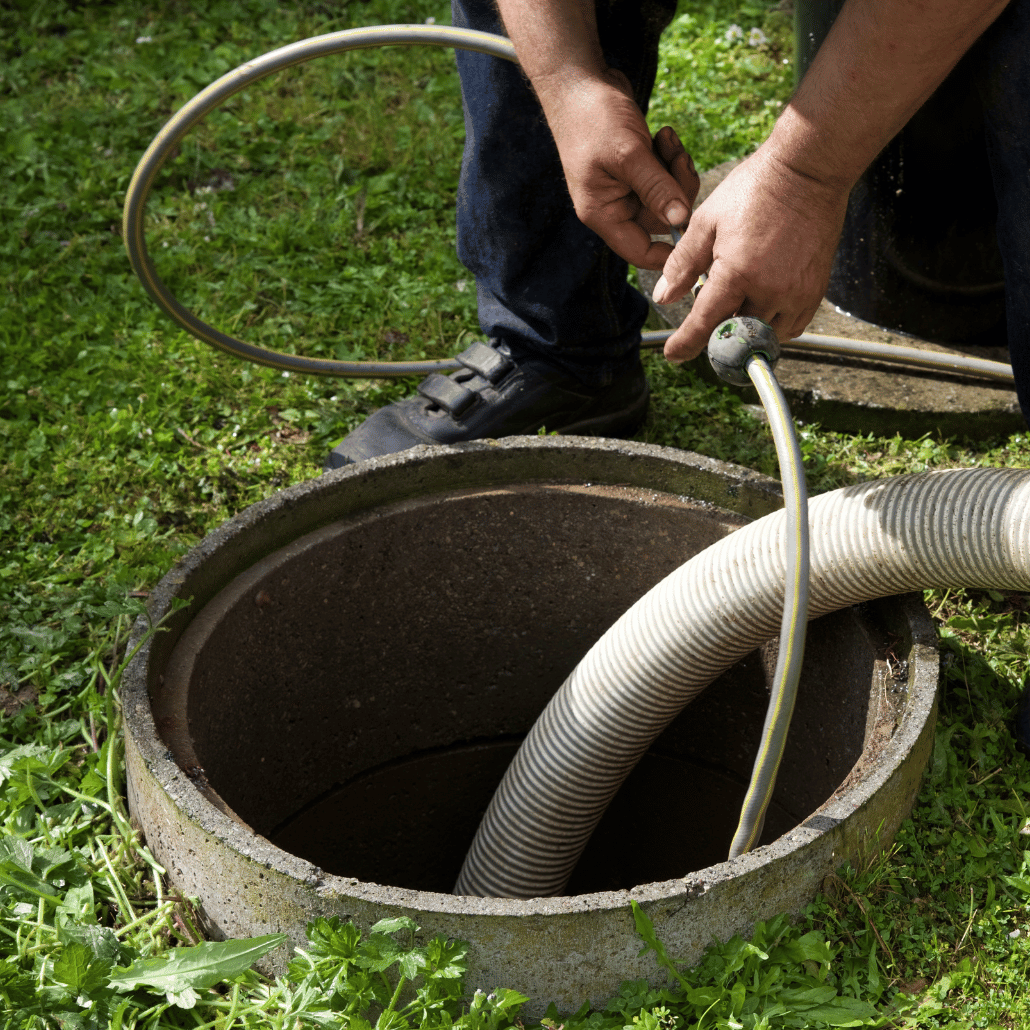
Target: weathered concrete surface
(856,396)
(227,705)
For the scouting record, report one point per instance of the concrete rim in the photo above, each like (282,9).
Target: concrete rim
(828,837)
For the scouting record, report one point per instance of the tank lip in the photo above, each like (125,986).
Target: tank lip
(408,474)
(186,796)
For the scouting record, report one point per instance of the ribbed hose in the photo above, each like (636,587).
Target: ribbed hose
(964,527)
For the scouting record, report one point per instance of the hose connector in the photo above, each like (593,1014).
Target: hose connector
(734,342)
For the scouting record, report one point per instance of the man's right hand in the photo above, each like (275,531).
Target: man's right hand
(624,186)
(766,236)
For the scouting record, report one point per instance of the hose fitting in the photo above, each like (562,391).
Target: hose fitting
(734,342)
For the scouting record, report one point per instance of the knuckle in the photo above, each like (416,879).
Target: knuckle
(586,210)
(654,192)
(624,151)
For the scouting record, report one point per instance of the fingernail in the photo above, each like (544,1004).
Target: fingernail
(661,288)
(676,213)
(675,137)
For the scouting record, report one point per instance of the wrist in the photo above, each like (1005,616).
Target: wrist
(581,98)
(556,42)
(798,151)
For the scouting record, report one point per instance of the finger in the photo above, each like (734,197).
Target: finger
(678,162)
(803,321)
(658,191)
(721,298)
(617,222)
(787,324)
(769,314)
(691,257)
(634,244)
(651,224)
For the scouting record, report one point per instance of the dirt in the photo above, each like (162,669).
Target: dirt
(11,703)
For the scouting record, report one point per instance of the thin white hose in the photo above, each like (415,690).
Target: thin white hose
(793,623)
(932,359)
(212,96)
(963,527)
(195,110)
(937,360)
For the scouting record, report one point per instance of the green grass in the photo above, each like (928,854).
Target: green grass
(315,213)
(724,73)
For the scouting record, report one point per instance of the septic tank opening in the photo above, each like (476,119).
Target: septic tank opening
(356,697)
(448,605)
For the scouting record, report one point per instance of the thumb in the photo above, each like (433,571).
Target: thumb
(691,256)
(657,190)
(720,299)
(678,163)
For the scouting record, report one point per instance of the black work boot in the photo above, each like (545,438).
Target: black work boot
(493,395)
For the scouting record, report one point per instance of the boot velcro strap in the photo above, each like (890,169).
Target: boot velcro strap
(492,365)
(445,392)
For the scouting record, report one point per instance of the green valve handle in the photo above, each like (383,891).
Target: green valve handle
(735,342)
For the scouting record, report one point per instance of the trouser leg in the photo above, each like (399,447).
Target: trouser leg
(546,284)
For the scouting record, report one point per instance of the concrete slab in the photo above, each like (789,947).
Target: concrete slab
(857,396)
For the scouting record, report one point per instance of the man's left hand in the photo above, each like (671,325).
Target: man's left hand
(766,237)
(624,186)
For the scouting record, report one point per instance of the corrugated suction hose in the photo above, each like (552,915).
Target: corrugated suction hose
(962,527)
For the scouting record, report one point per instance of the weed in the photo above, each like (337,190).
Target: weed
(723,86)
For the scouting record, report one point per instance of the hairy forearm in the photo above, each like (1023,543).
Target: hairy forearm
(881,60)
(556,41)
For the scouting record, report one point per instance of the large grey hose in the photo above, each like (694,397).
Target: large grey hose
(964,527)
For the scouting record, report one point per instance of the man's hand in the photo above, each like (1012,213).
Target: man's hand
(624,186)
(766,236)
(770,230)
(620,187)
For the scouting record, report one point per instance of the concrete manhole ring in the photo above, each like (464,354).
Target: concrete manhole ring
(317,732)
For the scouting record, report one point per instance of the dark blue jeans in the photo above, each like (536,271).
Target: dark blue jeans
(1003,56)
(546,283)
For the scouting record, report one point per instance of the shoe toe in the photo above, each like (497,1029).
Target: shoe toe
(385,431)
